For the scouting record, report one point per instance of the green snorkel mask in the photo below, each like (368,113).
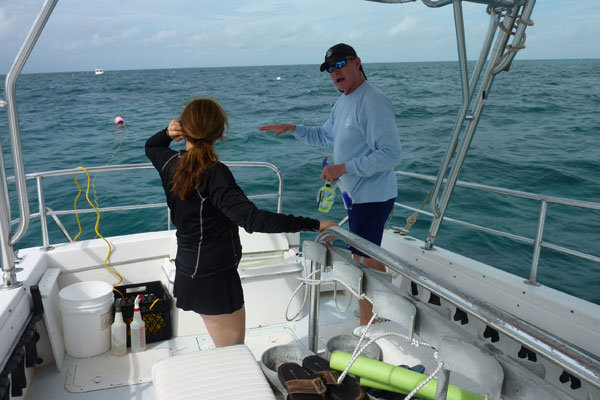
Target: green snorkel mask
(326,195)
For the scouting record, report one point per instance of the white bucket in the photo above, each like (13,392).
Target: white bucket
(86,309)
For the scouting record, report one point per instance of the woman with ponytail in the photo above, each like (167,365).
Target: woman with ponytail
(207,207)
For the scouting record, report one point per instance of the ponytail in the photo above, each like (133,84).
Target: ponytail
(203,122)
(191,168)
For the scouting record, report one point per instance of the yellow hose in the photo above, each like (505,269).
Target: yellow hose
(87,196)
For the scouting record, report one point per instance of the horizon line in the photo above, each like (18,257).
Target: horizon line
(285,65)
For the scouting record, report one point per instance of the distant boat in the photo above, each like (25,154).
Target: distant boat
(98,71)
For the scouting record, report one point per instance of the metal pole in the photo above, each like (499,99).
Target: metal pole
(442,384)
(537,245)
(468,136)
(313,319)
(9,276)
(13,119)
(43,221)
(466,99)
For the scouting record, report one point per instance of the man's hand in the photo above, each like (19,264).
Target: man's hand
(331,172)
(278,129)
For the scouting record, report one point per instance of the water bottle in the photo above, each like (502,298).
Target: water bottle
(138,328)
(118,332)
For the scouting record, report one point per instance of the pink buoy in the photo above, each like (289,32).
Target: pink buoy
(119,121)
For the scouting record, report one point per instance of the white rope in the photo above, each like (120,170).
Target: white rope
(307,281)
(420,385)
(287,309)
(358,350)
(355,354)
(337,307)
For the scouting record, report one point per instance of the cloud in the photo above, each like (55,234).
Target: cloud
(408,24)
(162,37)
(100,40)
(6,24)
(257,7)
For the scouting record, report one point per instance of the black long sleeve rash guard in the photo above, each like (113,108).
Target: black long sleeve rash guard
(208,240)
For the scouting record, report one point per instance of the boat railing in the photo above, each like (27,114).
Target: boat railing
(561,352)
(8,238)
(507,18)
(46,211)
(538,241)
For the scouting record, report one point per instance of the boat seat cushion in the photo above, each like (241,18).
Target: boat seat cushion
(216,374)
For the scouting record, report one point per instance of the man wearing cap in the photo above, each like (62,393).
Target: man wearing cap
(366,149)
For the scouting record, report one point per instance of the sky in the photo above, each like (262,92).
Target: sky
(148,34)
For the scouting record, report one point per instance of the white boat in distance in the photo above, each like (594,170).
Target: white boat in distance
(479,332)
(98,71)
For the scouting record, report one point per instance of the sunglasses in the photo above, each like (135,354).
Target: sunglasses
(337,65)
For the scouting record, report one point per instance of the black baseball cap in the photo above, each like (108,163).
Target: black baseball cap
(339,52)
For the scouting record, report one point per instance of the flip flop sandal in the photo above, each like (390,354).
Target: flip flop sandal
(349,389)
(299,384)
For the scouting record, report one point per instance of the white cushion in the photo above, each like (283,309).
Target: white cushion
(216,374)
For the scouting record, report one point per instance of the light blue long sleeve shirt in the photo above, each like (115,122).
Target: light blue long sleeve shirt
(362,130)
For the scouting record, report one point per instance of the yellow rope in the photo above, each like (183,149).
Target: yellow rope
(153,303)
(513,49)
(75,206)
(87,196)
(413,218)
(117,290)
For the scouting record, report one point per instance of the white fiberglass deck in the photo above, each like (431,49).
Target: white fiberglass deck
(49,383)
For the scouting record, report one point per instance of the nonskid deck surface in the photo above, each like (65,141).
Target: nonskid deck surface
(50,384)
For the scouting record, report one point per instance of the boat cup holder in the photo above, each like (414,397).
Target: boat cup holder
(272,358)
(347,343)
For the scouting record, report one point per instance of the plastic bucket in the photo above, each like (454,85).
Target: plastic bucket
(86,310)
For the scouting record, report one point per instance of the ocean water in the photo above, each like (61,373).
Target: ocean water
(539,133)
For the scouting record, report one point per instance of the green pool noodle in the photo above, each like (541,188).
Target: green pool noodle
(400,379)
(366,382)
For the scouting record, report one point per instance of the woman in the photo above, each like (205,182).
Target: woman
(207,206)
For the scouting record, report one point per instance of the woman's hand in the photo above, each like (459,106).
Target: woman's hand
(175,130)
(324,225)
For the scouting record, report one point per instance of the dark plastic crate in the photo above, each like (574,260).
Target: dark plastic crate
(157,319)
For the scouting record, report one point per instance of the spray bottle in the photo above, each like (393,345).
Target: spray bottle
(118,331)
(138,328)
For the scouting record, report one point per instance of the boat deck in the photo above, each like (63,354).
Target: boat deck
(49,383)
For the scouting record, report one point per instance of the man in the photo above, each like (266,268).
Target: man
(366,149)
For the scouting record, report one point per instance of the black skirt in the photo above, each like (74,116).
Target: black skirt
(216,294)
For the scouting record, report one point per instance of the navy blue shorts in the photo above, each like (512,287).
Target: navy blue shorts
(367,220)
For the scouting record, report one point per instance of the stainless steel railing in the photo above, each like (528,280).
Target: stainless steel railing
(8,238)
(538,241)
(569,357)
(45,211)
(517,17)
